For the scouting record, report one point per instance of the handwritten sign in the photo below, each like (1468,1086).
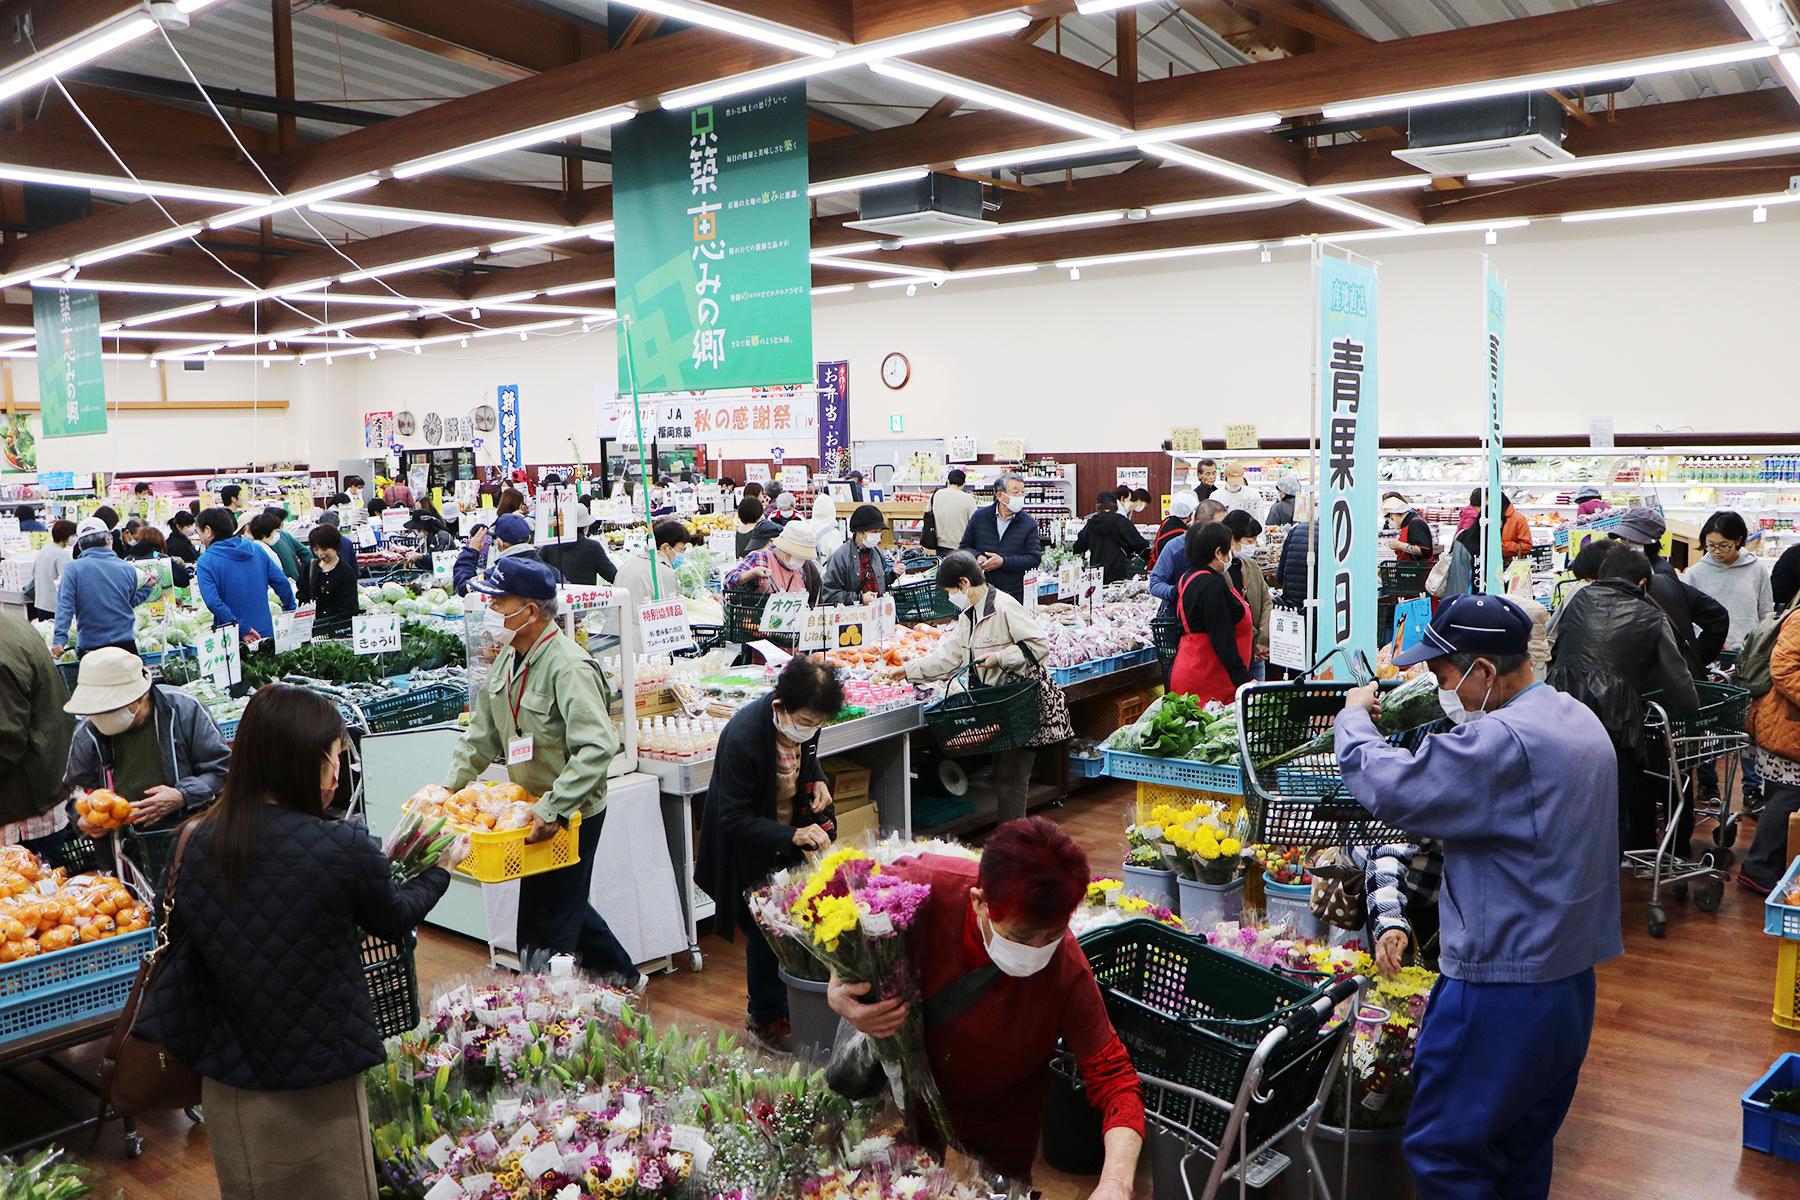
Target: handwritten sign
(1190,439)
(1240,437)
(686,504)
(962,449)
(375,633)
(1032,580)
(756,472)
(817,632)
(723,544)
(665,626)
(443,564)
(219,655)
(887,620)
(1068,579)
(1091,581)
(785,612)
(365,535)
(794,479)
(577,598)
(1134,477)
(1009,450)
(1287,639)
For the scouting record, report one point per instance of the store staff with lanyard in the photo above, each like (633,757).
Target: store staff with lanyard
(1524,795)
(1218,633)
(543,711)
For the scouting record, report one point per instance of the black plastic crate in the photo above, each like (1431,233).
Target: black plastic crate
(1403,577)
(393,983)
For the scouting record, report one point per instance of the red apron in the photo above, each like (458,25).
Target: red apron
(1198,671)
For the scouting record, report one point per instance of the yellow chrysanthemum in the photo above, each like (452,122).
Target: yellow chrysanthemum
(834,916)
(1230,847)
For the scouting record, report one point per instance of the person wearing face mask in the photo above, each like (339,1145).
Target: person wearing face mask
(859,573)
(1236,493)
(99,594)
(1004,982)
(781,510)
(1613,644)
(1172,563)
(1523,794)
(673,540)
(1218,630)
(1281,513)
(267,1002)
(1175,525)
(236,576)
(156,746)
(996,641)
(353,497)
(767,806)
(1004,538)
(543,710)
(1247,577)
(1109,539)
(788,564)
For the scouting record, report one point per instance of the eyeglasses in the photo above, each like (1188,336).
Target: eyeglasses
(1714,544)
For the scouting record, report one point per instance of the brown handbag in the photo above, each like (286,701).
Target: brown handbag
(137,1075)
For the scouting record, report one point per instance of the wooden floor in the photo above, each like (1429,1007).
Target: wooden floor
(1682,1028)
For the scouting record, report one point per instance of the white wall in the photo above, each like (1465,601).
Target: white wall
(1660,324)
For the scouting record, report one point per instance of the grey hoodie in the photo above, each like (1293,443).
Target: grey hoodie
(1743,588)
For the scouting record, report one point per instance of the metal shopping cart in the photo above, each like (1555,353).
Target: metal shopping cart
(1682,742)
(1233,1058)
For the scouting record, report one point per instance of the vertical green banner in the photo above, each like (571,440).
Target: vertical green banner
(1493,295)
(71,387)
(1349,453)
(711,244)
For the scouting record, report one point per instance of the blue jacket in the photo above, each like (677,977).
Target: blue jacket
(98,593)
(1171,565)
(235,576)
(1021,548)
(1526,803)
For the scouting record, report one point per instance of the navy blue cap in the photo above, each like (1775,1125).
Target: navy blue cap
(512,529)
(526,578)
(1490,625)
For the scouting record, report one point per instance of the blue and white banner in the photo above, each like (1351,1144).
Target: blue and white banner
(1493,295)
(511,458)
(1349,454)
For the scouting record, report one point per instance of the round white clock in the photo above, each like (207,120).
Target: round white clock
(895,370)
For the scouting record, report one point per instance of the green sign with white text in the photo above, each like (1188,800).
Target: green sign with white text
(711,245)
(71,387)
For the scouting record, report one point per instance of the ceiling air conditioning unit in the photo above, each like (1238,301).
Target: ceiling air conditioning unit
(1498,134)
(936,204)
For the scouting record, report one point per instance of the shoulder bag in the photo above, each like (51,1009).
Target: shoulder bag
(1439,577)
(137,1075)
(1054,722)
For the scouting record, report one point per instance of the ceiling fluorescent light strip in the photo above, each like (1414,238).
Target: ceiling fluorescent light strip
(1088,8)
(1366,235)
(1543,80)
(30,274)
(518,141)
(846,248)
(411,264)
(1199,129)
(83,284)
(869,52)
(1402,183)
(329,191)
(1687,206)
(1038,225)
(1248,200)
(1223,169)
(43,67)
(384,300)
(853,183)
(706,16)
(994,98)
(1045,153)
(570,289)
(16,173)
(1362,212)
(1740,148)
(909,280)
(136,245)
(855,264)
(170,314)
(1102,260)
(833,289)
(419,216)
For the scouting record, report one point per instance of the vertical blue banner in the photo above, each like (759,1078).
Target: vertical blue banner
(1349,455)
(834,418)
(511,459)
(1493,295)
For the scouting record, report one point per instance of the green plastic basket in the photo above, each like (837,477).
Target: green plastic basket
(743,619)
(986,720)
(922,602)
(1722,710)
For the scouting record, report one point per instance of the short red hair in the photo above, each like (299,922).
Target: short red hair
(1034,873)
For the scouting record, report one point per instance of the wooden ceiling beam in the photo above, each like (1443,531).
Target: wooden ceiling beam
(57,24)
(876,19)
(503,36)
(1549,197)
(47,148)
(833,20)
(1034,73)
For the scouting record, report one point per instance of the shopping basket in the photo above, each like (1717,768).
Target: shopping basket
(1403,577)
(1299,799)
(922,602)
(743,620)
(985,719)
(1722,709)
(1165,634)
(393,983)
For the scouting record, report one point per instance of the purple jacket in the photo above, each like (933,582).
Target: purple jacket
(1525,801)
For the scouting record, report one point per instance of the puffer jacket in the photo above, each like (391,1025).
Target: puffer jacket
(34,729)
(843,574)
(1614,644)
(1775,716)
(1295,580)
(1701,623)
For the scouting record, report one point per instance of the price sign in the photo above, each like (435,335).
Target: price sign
(794,479)
(394,521)
(816,633)
(665,626)
(1032,580)
(962,449)
(723,544)
(1287,639)
(1240,437)
(1187,438)
(443,564)
(850,627)
(686,504)
(14,545)
(784,613)
(9,526)
(365,535)
(219,656)
(756,472)
(1091,581)
(1009,450)
(1068,580)
(709,496)
(375,633)
(887,620)
(286,637)
(1600,433)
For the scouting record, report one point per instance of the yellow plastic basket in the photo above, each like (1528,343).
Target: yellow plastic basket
(495,857)
(1787,986)
(1149,795)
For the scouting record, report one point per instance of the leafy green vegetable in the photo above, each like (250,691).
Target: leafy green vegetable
(1178,727)
(1407,707)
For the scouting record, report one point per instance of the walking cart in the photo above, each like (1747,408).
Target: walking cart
(1233,1058)
(1677,745)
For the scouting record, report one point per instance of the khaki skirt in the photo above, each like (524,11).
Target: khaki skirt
(305,1144)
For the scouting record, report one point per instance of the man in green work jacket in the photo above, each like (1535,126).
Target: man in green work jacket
(542,711)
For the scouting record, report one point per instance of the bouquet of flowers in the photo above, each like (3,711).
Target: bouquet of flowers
(856,916)
(1143,845)
(416,845)
(771,905)
(1108,904)
(1203,841)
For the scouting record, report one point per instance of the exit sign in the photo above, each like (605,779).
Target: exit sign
(896,423)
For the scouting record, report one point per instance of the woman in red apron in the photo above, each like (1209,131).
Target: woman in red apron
(1216,628)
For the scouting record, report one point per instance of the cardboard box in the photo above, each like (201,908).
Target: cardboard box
(848,780)
(857,824)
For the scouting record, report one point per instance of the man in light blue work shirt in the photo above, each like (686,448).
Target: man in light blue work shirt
(1524,795)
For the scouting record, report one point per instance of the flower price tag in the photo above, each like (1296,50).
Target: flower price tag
(877,924)
(375,633)
(445,1189)
(439,1151)
(487,1145)
(523,1136)
(691,1140)
(541,1158)
(505,1110)
(477,1185)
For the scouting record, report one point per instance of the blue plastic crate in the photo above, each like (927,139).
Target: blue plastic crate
(1081,767)
(1772,1132)
(1064,676)
(1177,772)
(51,990)
(1783,920)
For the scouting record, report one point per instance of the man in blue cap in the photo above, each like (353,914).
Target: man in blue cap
(1523,793)
(511,537)
(543,712)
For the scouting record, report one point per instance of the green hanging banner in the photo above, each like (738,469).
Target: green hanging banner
(713,232)
(71,386)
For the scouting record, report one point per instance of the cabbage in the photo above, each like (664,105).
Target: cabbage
(394,591)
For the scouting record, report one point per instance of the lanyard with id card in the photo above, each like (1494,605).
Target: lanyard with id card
(519,746)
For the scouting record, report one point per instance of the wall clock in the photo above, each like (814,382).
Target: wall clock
(895,370)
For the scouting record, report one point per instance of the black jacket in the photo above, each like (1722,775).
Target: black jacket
(1109,539)
(741,841)
(182,546)
(1613,644)
(1206,605)
(266,989)
(1281,512)
(1295,580)
(334,596)
(583,561)
(1700,622)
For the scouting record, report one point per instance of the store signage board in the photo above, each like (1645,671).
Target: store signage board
(834,417)
(1091,582)
(1009,450)
(962,449)
(365,535)
(1190,439)
(784,612)
(579,598)
(1240,437)
(1348,371)
(686,504)
(665,626)
(18,447)
(1600,433)
(712,244)
(1068,580)
(852,626)
(375,633)
(1494,358)
(217,650)
(722,544)
(794,479)
(443,564)
(1031,593)
(1287,638)
(817,630)
(71,383)
(756,472)
(1134,477)
(512,454)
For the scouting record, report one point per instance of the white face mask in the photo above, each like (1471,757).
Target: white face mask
(1453,708)
(797,734)
(959,601)
(1013,503)
(493,624)
(871,540)
(113,723)
(1016,958)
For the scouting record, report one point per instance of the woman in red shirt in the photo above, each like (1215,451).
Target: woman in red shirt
(1004,922)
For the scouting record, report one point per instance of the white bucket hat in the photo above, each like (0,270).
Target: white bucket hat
(109,679)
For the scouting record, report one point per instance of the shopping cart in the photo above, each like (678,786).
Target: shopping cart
(1683,742)
(1232,1058)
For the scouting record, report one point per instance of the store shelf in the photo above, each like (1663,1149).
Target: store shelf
(692,778)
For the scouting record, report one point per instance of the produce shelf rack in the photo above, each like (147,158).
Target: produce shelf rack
(1226,778)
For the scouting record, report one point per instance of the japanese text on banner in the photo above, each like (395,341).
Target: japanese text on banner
(1494,304)
(1349,418)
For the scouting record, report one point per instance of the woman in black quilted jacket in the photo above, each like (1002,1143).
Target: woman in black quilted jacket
(265,997)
